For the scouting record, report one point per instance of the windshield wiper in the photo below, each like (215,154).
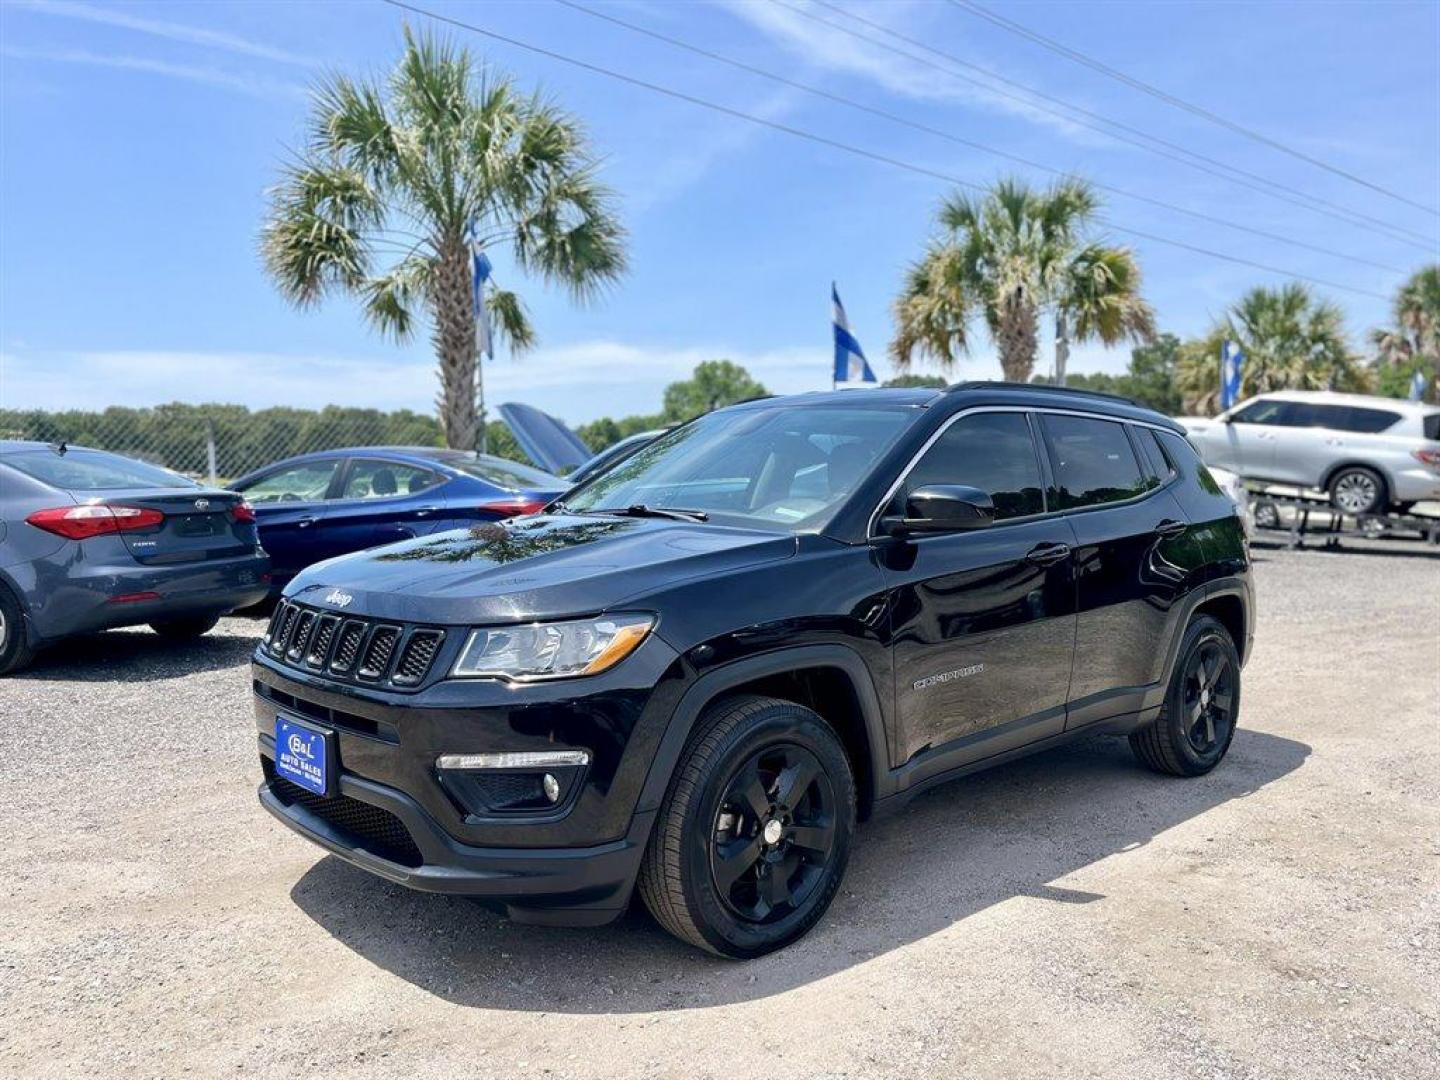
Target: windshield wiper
(674,513)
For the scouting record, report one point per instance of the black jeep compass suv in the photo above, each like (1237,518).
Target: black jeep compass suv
(694,673)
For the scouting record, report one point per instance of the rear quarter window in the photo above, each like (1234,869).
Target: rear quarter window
(1432,426)
(1366,421)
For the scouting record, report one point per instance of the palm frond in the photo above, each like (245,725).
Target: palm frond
(390,300)
(315,238)
(510,320)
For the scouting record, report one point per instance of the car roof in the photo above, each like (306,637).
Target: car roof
(969,394)
(1335,397)
(15,446)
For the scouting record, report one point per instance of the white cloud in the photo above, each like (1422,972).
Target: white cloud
(836,50)
(193,35)
(256,86)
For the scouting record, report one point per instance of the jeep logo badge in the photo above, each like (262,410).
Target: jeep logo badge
(338,598)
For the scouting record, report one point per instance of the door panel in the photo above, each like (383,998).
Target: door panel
(983,620)
(982,637)
(1133,563)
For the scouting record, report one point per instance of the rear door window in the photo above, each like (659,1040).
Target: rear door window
(990,451)
(1260,412)
(306,482)
(1094,462)
(1366,421)
(386,479)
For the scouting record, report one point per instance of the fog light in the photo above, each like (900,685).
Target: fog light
(552,788)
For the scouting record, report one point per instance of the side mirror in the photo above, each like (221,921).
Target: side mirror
(941,508)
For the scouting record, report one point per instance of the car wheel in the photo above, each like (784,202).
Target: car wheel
(1197,720)
(754,833)
(15,651)
(1357,490)
(185,629)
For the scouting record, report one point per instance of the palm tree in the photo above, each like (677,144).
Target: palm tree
(1008,258)
(1413,341)
(1291,341)
(400,174)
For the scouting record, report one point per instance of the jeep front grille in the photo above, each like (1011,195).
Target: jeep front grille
(352,648)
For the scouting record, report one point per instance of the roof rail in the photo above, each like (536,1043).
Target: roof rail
(1047,388)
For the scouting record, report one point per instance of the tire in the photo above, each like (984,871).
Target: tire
(15,650)
(1198,719)
(1357,490)
(185,629)
(783,859)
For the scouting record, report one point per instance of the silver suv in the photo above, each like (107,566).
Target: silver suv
(1369,454)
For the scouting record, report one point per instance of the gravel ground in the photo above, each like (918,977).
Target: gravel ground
(1069,915)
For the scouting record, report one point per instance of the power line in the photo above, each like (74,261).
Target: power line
(1108,126)
(835,144)
(1076,56)
(927,129)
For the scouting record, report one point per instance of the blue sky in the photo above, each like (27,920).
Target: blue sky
(137,142)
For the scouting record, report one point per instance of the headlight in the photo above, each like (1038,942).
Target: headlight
(558,650)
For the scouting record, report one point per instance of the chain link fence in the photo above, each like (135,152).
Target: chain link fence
(219,443)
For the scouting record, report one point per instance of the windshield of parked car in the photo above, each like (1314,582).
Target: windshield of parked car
(93,470)
(780,467)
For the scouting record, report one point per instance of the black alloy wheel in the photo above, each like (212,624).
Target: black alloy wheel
(1202,705)
(774,833)
(752,839)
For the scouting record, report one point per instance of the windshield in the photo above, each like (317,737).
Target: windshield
(93,470)
(777,467)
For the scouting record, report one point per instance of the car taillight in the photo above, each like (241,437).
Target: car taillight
(242,513)
(1428,457)
(514,507)
(83,522)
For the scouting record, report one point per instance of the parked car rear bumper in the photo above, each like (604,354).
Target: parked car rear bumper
(66,596)
(1417,484)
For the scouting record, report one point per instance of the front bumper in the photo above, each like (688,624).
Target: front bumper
(556,886)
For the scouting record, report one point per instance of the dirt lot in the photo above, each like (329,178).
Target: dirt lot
(1066,916)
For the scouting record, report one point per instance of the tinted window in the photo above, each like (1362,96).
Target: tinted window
(780,467)
(989,451)
(383,479)
(1260,412)
(295,483)
(1159,466)
(1432,426)
(1366,421)
(93,470)
(1180,451)
(1094,462)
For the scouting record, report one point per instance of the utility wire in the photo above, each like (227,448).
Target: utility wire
(835,144)
(1112,128)
(1078,57)
(925,128)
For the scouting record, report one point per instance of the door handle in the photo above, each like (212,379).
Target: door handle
(425,511)
(1171,527)
(1047,554)
(305,522)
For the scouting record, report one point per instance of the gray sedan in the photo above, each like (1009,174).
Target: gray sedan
(90,540)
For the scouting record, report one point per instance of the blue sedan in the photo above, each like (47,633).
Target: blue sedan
(320,505)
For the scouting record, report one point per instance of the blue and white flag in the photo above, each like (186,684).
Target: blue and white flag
(850,363)
(480,274)
(1232,364)
(1418,383)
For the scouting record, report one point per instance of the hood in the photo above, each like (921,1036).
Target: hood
(545,440)
(548,566)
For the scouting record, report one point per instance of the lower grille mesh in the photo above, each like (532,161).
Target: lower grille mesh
(374,830)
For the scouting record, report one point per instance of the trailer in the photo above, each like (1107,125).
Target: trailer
(1300,515)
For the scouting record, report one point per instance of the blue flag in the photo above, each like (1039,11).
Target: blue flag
(850,363)
(1418,383)
(479,274)
(1232,364)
